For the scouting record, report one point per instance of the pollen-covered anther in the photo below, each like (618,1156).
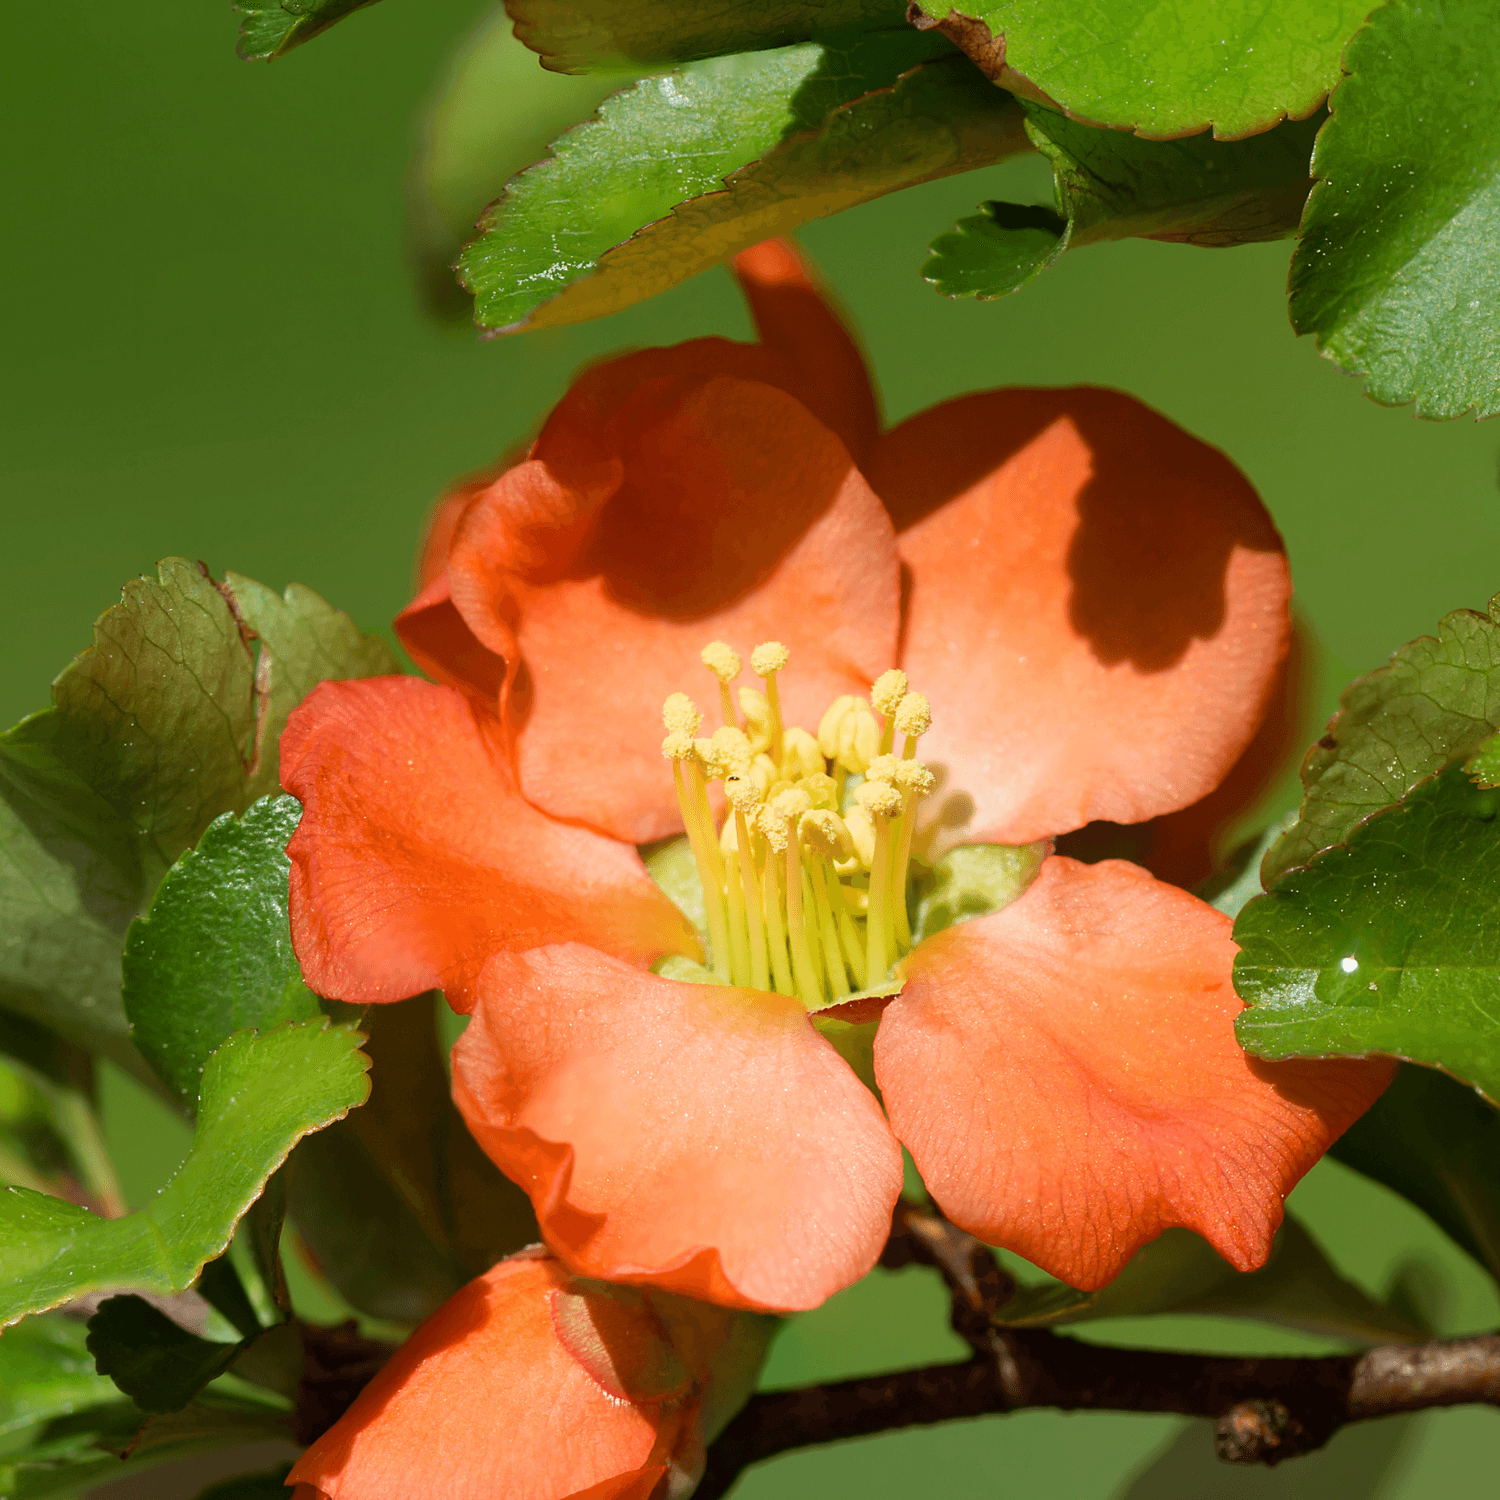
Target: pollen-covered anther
(680,713)
(768,657)
(793,803)
(913,776)
(731,748)
(882,768)
(773,826)
(678,745)
(887,691)
(757,712)
(914,717)
(743,794)
(879,799)
(824,833)
(722,661)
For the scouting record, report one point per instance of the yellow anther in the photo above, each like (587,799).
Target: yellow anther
(800,753)
(744,795)
(848,733)
(888,690)
(773,826)
(882,768)
(822,790)
(913,776)
(763,772)
(679,712)
(757,714)
(879,799)
(708,755)
(824,833)
(914,717)
(792,804)
(861,834)
(732,748)
(678,745)
(721,661)
(768,657)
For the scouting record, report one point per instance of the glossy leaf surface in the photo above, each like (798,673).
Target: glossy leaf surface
(214,954)
(587,36)
(676,173)
(1388,945)
(46,1371)
(1162,70)
(1398,271)
(261,1095)
(1436,702)
(1436,1143)
(1111,186)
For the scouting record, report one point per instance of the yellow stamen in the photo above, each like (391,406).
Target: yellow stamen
(880,801)
(679,714)
(744,797)
(808,989)
(882,768)
(822,790)
(886,693)
(800,755)
(833,963)
(769,658)
(757,712)
(725,665)
(739,941)
(849,935)
(732,748)
(913,719)
(848,734)
(698,824)
(915,781)
(773,829)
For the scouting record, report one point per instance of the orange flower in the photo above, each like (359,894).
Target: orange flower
(537,1385)
(1093,606)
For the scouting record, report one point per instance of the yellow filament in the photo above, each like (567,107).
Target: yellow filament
(849,938)
(808,990)
(833,963)
(725,665)
(739,942)
(814,934)
(760,975)
(886,693)
(713,891)
(915,781)
(775,931)
(877,952)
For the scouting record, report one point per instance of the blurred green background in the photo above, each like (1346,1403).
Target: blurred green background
(214,347)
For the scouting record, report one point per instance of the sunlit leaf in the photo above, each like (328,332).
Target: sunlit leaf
(271,29)
(261,1095)
(1398,271)
(1389,944)
(1163,68)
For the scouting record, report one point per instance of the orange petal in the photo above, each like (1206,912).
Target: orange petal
(701,1138)
(1065,1075)
(485,1400)
(794,316)
(1098,606)
(439,640)
(704,509)
(416,858)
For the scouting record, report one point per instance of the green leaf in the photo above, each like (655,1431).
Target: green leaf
(71,1455)
(1162,70)
(270,30)
(1484,764)
(46,1371)
(973,880)
(1390,944)
(214,954)
(1435,703)
(1436,1143)
(261,1095)
(640,36)
(1398,271)
(1180,1273)
(676,173)
(168,720)
(1112,186)
(160,1366)
(270,1485)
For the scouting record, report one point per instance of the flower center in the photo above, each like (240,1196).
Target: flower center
(805,880)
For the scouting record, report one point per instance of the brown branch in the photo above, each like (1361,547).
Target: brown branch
(1264,1410)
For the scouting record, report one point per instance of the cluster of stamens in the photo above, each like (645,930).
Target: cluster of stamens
(805,881)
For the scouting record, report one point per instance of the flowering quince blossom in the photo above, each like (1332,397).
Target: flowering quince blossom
(618,1391)
(1066,606)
